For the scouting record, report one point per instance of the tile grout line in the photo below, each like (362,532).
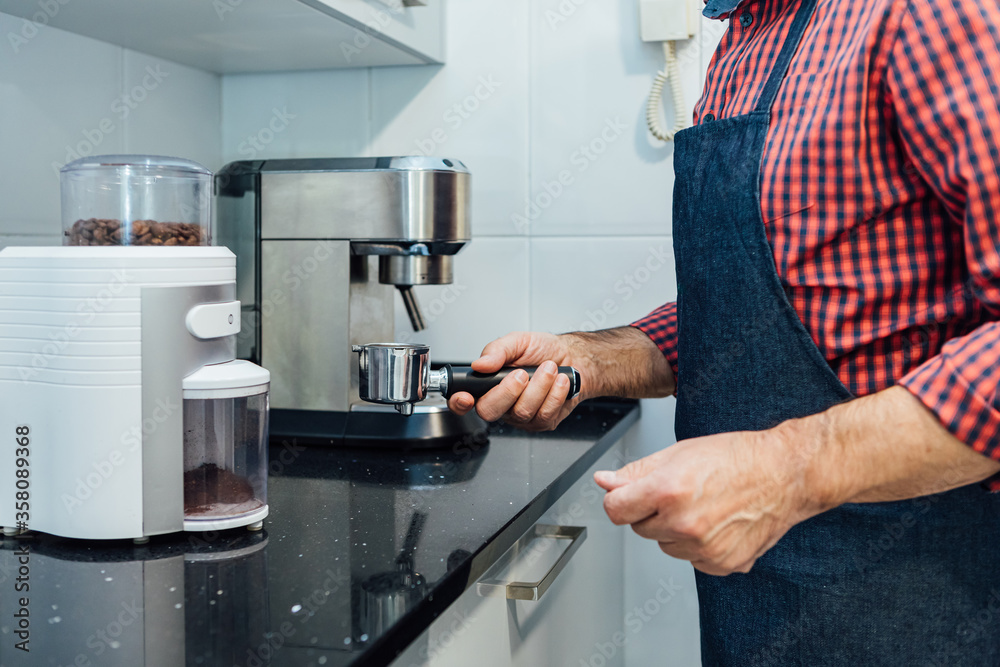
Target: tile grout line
(121,91)
(369,147)
(222,121)
(528,23)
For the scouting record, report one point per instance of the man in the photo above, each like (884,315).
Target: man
(835,341)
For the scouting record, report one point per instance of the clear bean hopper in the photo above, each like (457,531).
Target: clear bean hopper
(136,200)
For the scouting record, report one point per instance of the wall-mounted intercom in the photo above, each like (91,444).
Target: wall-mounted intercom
(667,21)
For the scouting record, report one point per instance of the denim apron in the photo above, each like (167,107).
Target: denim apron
(915,582)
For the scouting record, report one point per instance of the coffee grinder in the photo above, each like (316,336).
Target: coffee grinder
(323,246)
(118,375)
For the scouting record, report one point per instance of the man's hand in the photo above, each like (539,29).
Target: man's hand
(535,405)
(722,501)
(614,362)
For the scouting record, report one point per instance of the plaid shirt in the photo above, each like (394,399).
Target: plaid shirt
(880,191)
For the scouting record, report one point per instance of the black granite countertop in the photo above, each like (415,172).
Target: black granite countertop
(361,551)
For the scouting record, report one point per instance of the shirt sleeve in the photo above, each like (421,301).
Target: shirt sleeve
(661,327)
(943,77)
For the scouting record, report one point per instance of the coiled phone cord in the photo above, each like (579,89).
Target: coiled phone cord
(670,71)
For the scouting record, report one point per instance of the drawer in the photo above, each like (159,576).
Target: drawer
(575,615)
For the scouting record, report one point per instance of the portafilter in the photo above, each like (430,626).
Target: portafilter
(400,375)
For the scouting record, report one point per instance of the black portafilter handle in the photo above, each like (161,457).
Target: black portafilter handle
(463,378)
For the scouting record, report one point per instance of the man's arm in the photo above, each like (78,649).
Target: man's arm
(722,501)
(614,362)
(623,362)
(941,82)
(883,447)
(661,327)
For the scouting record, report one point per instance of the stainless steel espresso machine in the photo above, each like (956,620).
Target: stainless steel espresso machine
(323,246)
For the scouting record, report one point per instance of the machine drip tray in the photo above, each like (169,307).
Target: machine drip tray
(430,428)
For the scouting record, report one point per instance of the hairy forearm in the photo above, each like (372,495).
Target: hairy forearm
(620,362)
(882,447)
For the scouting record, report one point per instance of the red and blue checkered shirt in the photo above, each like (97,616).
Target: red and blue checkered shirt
(880,191)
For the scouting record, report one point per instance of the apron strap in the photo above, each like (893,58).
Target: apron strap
(799,24)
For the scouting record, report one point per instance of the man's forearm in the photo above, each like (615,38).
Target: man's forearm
(883,447)
(620,362)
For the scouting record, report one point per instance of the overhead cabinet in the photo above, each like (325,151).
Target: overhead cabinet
(230,36)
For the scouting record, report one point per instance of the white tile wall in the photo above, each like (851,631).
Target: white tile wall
(474,108)
(172,110)
(56,94)
(63,96)
(295,114)
(590,78)
(593,283)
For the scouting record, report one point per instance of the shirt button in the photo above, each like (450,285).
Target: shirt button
(708,118)
(746,18)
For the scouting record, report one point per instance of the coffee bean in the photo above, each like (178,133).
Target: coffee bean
(106,231)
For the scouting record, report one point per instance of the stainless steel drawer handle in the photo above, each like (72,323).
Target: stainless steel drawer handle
(534,590)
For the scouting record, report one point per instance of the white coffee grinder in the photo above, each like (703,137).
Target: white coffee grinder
(125,412)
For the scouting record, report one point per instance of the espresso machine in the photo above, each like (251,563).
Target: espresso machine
(323,247)
(127,411)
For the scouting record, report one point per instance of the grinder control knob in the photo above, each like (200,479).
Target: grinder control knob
(214,320)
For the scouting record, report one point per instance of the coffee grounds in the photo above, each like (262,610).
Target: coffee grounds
(209,489)
(106,231)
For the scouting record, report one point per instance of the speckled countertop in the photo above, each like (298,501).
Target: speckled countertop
(361,551)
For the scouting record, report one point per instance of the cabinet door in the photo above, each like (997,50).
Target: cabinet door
(578,620)
(232,36)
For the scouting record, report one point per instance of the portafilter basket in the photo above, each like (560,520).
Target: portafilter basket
(393,373)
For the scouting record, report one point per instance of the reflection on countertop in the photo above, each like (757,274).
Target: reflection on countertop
(362,550)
